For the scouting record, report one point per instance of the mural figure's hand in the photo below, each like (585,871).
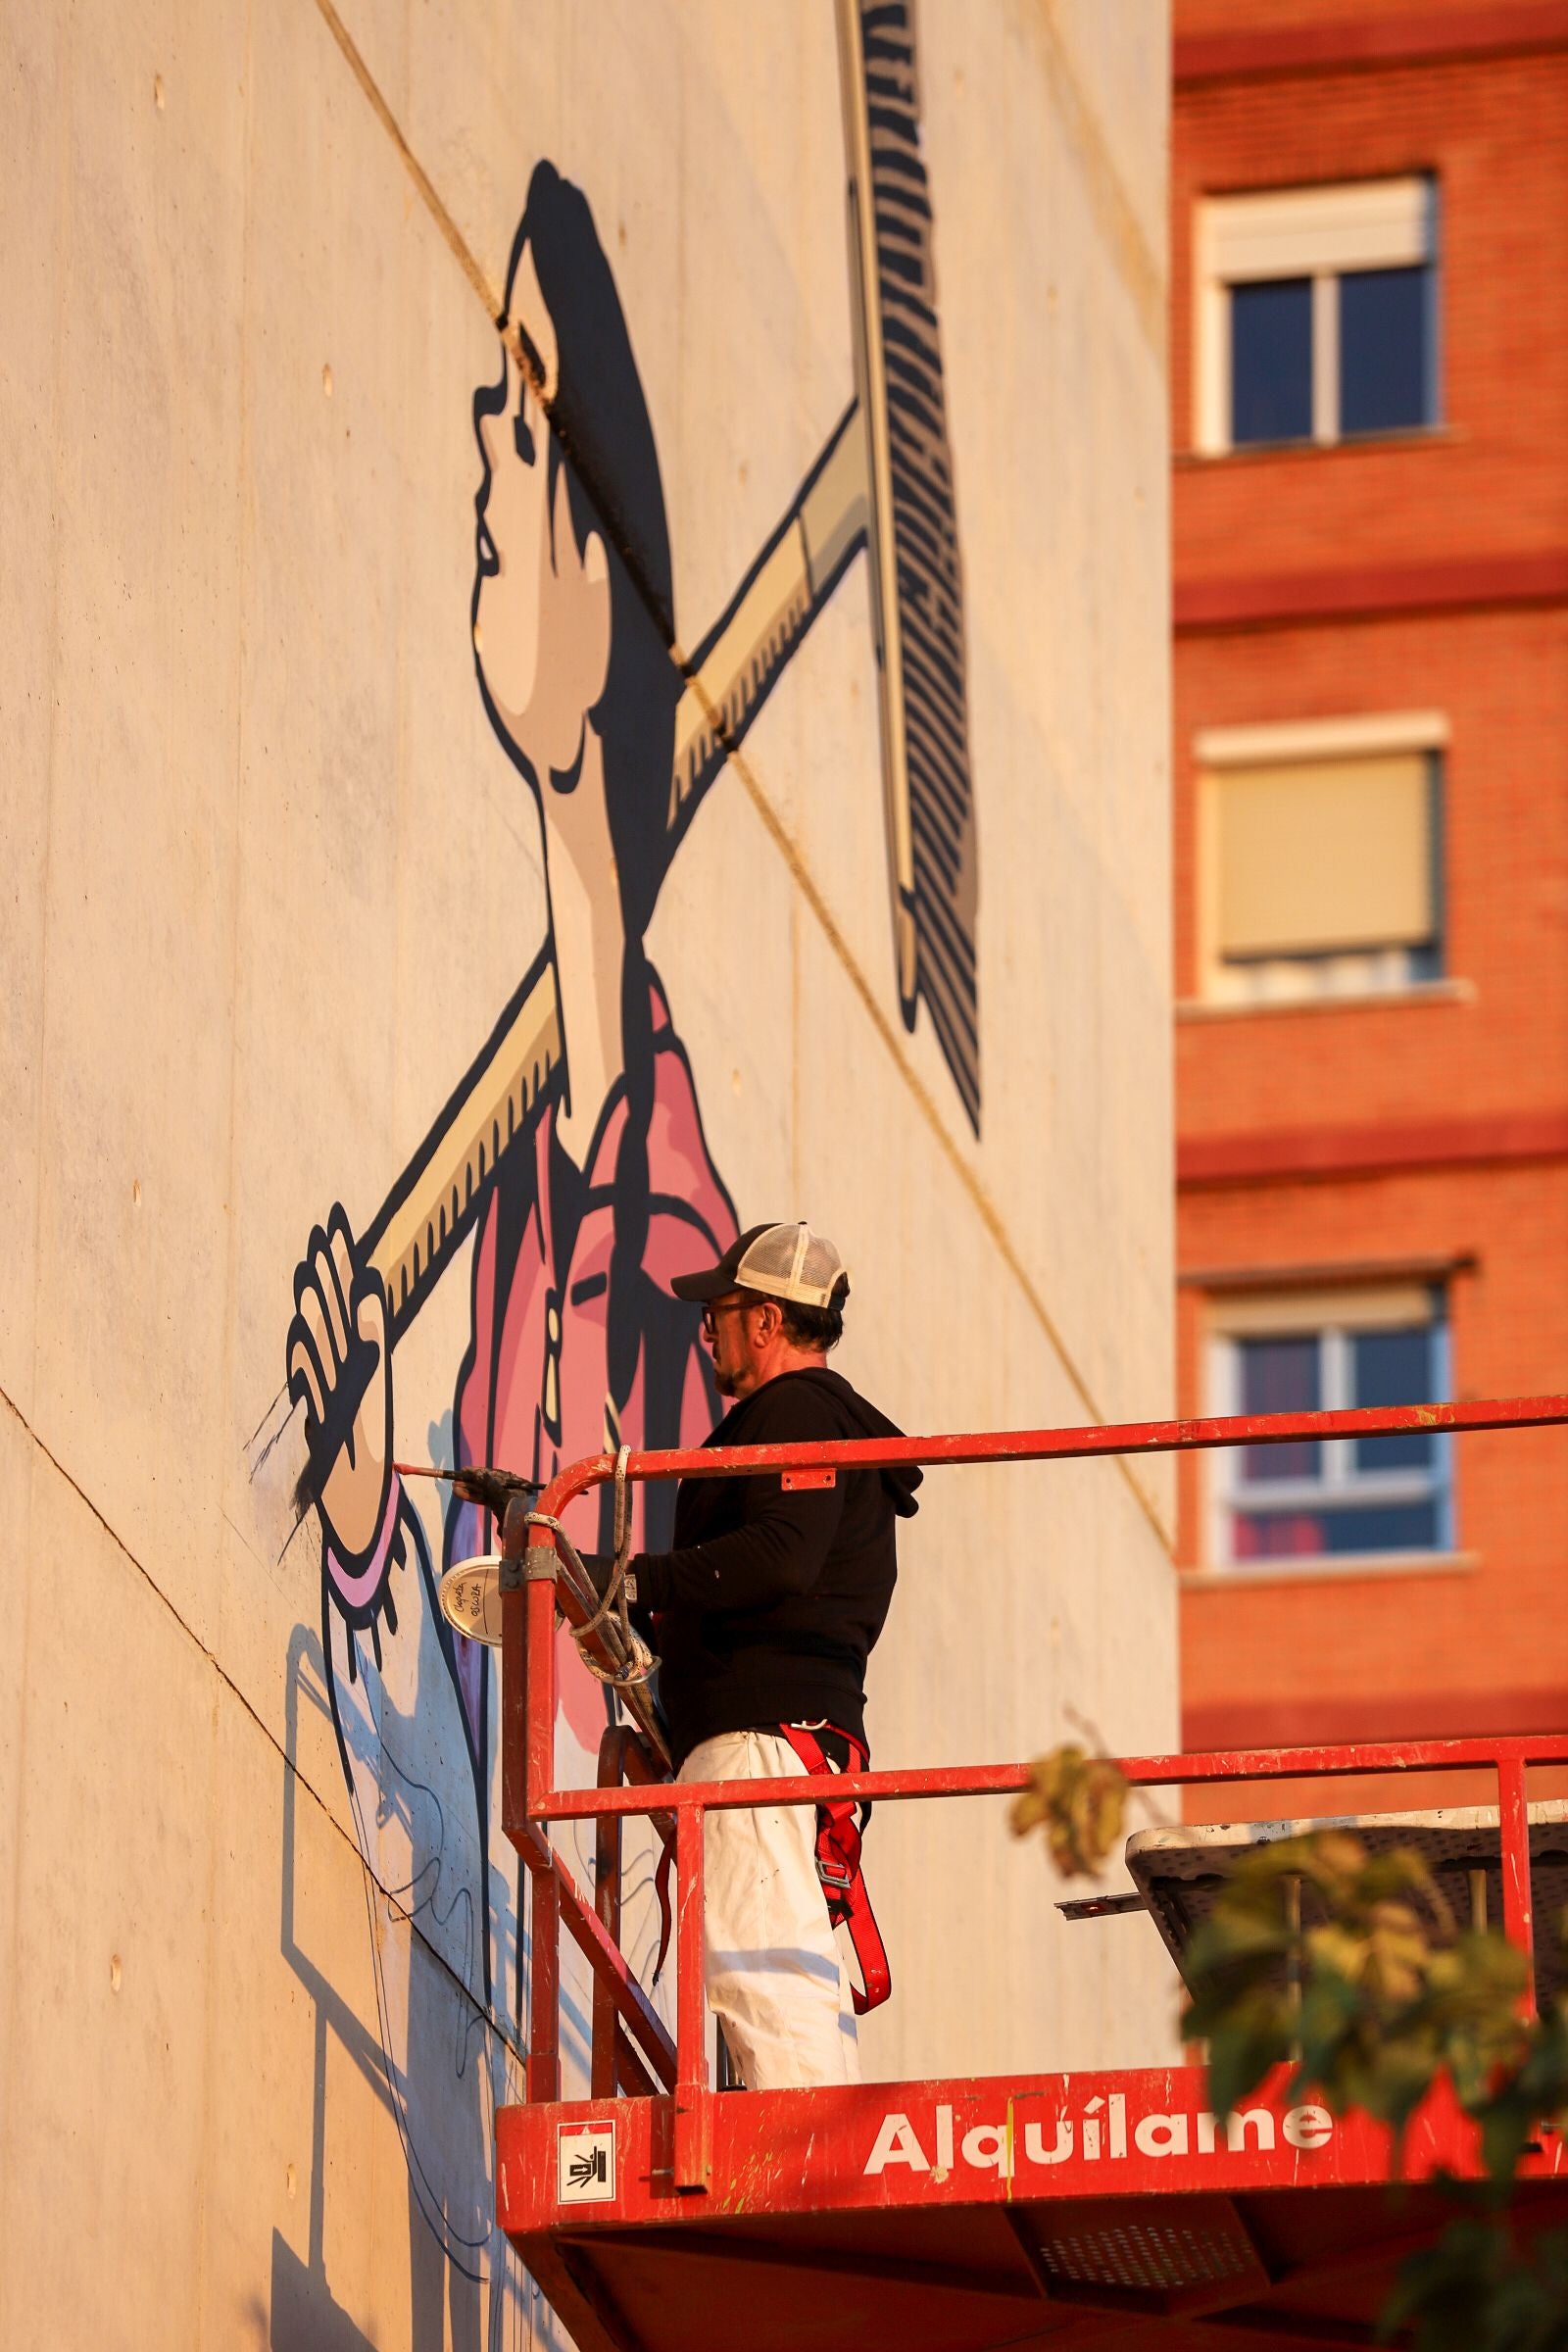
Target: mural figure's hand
(340,1369)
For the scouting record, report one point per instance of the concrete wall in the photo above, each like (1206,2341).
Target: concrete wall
(273,869)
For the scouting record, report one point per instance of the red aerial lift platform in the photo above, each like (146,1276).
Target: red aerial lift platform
(793,2240)
(1109,2208)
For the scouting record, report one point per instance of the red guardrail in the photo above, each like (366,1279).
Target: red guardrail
(528,1709)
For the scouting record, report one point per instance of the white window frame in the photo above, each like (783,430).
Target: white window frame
(1332,1317)
(1359,974)
(1319,234)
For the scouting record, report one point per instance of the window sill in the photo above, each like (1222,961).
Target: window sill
(1297,453)
(1419,992)
(1329,1568)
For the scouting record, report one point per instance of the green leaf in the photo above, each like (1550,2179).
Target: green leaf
(1252,2036)
(1476,2291)
(1382,2011)
(1081,1805)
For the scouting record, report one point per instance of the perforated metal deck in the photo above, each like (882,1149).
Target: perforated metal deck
(1178,1872)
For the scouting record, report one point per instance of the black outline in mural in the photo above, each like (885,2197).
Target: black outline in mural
(617,760)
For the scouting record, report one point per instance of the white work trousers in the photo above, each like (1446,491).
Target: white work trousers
(775,1980)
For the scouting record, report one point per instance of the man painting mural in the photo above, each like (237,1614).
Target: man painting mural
(576,1340)
(766,1610)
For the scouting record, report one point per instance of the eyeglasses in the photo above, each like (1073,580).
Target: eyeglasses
(722,1306)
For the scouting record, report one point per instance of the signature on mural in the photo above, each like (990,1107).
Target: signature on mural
(573,1151)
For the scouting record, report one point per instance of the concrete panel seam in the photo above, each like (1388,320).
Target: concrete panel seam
(61,298)
(242,537)
(467,261)
(1141,271)
(120,1545)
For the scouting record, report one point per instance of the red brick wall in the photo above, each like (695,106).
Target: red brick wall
(1228,17)
(1484,1648)
(1502,679)
(1495,135)
(1433,1084)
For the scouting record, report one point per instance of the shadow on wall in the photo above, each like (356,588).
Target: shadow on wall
(445,2036)
(305,2318)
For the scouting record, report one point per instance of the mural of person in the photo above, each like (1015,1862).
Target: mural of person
(571,624)
(572,1151)
(576,1340)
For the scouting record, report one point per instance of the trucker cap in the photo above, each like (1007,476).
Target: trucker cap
(782,1261)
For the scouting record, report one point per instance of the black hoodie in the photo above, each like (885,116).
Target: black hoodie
(767,1607)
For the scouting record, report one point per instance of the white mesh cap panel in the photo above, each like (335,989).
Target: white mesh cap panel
(791,1262)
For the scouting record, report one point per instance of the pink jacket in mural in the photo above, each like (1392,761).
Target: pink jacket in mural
(578,1344)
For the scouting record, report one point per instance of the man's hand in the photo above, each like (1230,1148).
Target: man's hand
(340,1370)
(601,1567)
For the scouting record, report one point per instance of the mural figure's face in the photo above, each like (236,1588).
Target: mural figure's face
(541,620)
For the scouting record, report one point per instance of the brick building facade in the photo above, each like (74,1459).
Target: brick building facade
(1370,420)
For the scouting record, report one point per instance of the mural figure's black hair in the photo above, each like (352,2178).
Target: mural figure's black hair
(602,432)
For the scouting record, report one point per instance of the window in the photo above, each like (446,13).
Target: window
(1320,857)
(1325,1498)
(1317,317)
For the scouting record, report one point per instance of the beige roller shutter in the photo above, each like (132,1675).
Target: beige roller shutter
(1319,857)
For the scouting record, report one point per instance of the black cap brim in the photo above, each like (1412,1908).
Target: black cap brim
(714,1281)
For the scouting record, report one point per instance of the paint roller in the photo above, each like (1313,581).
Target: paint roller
(882,483)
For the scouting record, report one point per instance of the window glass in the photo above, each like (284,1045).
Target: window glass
(1271,360)
(1337,1496)
(1321,1535)
(1316,312)
(1384,350)
(1277,1536)
(1394,1368)
(1280,1376)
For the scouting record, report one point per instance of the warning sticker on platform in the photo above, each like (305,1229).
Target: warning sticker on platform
(585,2164)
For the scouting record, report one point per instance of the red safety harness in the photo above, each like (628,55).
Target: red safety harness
(840,1825)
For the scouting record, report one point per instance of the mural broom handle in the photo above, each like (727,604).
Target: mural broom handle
(417,1229)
